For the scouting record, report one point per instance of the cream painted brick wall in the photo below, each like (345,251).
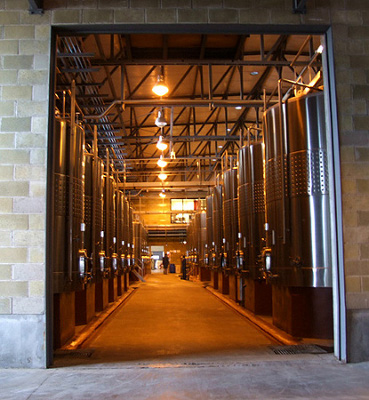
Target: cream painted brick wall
(24,75)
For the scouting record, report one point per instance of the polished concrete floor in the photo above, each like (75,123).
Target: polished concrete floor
(172,339)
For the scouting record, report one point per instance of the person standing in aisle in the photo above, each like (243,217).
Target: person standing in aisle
(184,266)
(165,264)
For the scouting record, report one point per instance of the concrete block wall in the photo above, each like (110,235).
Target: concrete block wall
(24,73)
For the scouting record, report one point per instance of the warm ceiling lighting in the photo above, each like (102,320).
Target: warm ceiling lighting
(238,107)
(160,121)
(161,145)
(162,194)
(162,163)
(162,176)
(160,88)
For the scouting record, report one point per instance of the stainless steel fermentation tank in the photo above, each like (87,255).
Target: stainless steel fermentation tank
(68,206)
(137,240)
(67,220)
(210,258)
(120,248)
(297,192)
(230,226)
(125,257)
(131,259)
(94,169)
(218,225)
(110,239)
(298,215)
(230,217)
(196,236)
(251,207)
(218,237)
(257,294)
(85,300)
(140,248)
(204,272)
(209,231)
(120,231)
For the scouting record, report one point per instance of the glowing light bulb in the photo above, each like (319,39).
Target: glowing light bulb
(160,88)
(162,163)
(161,145)
(162,176)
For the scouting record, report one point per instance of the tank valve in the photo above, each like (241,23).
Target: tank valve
(223,260)
(102,261)
(114,262)
(82,264)
(266,258)
(296,261)
(240,259)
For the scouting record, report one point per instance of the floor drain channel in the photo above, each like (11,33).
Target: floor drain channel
(298,349)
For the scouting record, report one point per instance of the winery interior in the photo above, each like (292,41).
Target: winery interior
(228,166)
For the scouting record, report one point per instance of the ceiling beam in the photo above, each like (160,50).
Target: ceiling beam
(36,6)
(188,62)
(299,6)
(166,185)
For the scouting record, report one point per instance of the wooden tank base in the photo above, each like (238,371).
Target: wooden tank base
(101,295)
(214,279)
(303,311)
(223,283)
(234,287)
(64,324)
(113,289)
(85,305)
(257,296)
(196,271)
(147,268)
(205,274)
(120,285)
(126,281)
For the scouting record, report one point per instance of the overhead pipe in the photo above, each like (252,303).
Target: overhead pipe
(318,51)
(179,103)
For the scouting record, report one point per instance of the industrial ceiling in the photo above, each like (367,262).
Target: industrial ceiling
(219,86)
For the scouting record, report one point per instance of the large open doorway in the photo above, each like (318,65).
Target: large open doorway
(221,82)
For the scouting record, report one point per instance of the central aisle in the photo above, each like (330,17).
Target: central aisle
(171,320)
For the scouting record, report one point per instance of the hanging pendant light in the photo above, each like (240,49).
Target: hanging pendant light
(160,121)
(160,88)
(161,162)
(162,176)
(161,145)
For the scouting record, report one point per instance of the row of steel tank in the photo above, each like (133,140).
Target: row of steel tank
(267,224)
(96,244)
